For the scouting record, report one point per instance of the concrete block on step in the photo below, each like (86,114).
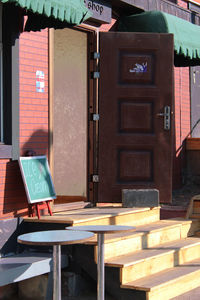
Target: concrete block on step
(140,198)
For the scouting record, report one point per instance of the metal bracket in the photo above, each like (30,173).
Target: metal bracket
(95,117)
(96,55)
(96,75)
(95,178)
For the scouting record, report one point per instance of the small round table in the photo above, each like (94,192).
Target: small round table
(55,238)
(100,230)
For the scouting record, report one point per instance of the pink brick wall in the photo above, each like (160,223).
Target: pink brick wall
(182,120)
(33,104)
(33,121)
(182,3)
(182,117)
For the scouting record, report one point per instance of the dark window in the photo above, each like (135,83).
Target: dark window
(1,82)
(9,109)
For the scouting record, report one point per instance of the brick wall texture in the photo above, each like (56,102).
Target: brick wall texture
(182,118)
(33,121)
(182,122)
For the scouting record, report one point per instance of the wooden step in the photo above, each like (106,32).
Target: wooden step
(145,236)
(153,260)
(170,283)
(101,216)
(118,216)
(62,207)
(193,294)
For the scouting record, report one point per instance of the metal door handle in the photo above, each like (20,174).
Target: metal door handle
(167,117)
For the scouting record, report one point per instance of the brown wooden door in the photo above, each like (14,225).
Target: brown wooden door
(136,83)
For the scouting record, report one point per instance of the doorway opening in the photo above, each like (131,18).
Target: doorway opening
(69,114)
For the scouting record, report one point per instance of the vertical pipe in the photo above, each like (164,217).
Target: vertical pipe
(51,98)
(100,267)
(56,272)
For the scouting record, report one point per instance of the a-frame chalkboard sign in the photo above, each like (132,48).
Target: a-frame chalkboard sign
(37,181)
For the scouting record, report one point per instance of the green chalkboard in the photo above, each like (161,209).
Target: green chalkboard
(37,178)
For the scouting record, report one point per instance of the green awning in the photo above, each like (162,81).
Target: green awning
(53,13)
(186,34)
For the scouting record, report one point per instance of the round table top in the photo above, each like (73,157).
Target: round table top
(102,228)
(54,237)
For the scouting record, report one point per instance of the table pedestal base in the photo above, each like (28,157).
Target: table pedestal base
(100,267)
(56,272)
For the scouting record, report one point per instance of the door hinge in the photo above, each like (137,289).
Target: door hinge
(95,178)
(95,117)
(96,55)
(95,75)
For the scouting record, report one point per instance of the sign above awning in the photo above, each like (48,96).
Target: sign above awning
(100,9)
(186,34)
(53,12)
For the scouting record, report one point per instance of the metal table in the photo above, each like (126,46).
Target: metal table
(55,238)
(101,230)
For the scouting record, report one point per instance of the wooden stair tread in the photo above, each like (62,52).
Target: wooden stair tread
(140,230)
(78,216)
(190,295)
(62,207)
(134,258)
(164,278)
(145,254)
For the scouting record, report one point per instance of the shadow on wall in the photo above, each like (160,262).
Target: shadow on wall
(181,174)
(15,202)
(179,166)
(37,144)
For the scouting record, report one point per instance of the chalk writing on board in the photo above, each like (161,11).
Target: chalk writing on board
(37,178)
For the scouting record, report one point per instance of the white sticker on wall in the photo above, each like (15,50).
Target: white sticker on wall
(40,81)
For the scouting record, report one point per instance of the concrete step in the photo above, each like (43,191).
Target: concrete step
(156,259)
(169,283)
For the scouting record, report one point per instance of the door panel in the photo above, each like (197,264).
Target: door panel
(136,83)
